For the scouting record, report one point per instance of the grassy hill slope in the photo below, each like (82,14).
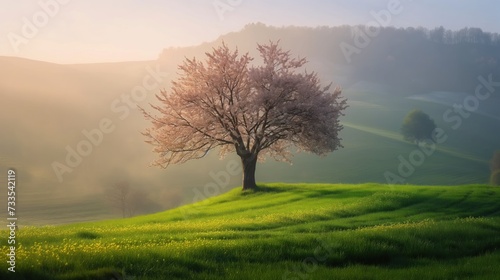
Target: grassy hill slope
(55,104)
(284,231)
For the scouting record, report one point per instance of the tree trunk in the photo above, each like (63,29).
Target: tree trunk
(249,165)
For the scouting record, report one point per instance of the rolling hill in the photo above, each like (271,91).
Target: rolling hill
(282,231)
(46,108)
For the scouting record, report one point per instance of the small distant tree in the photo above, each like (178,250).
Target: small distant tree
(495,169)
(254,111)
(417,126)
(495,178)
(119,197)
(495,161)
(130,201)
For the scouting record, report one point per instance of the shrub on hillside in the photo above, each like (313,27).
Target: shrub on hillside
(495,178)
(495,162)
(495,169)
(417,126)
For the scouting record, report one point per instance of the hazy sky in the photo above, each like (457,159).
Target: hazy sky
(74,31)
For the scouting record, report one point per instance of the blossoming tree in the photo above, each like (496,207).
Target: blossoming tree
(256,111)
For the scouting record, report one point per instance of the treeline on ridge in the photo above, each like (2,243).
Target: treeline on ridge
(407,60)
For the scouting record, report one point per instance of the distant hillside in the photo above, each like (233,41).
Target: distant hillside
(408,60)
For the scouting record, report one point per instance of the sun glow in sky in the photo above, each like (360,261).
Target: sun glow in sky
(78,31)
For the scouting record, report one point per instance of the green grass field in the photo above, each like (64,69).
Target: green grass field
(283,231)
(372,145)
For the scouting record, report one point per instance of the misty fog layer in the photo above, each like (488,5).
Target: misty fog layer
(72,131)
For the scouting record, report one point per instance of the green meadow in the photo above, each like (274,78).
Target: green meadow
(282,231)
(431,226)
(378,208)
(372,144)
